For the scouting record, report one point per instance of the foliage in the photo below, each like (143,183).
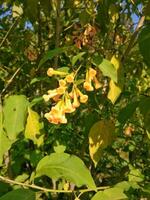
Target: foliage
(75,99)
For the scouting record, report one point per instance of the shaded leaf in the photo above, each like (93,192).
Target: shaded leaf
(19,194)
(100,136)
(115,193)
(144,44)
(127,112)
(15,111)
(76,58)
(50,54)
(69,167)
(106,67)
(33,127)
(135,175)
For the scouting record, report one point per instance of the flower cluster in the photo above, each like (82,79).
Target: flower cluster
(66,99)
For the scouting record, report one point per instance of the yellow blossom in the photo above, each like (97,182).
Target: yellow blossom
(97,84)
(88,86)
(70,78)
(62,83)
(92,73)
(51,72)
(83,97)
(68,105)
(76,102)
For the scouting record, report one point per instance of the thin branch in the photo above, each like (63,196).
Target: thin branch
(8,32)
(10,80)
(4,179)
(133,38)
(57,41)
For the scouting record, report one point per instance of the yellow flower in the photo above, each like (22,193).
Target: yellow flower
(57,115)
(83,97)
(62,83)
(76,102)
(70,78)
(68,105)
(88,86)
(61,90)
(97,84)
(51,72)
(92,73)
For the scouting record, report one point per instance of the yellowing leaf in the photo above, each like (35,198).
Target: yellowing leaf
(100,137)
(33,127)
(16,11)
(114,89)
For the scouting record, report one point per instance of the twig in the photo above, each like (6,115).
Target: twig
(10,80)
(133,38)
(57,30)
(8,32)
(7,180)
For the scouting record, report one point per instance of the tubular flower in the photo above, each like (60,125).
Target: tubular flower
(76,102)
(57,115)
(61,90)
(83,97)
(70,78)
(68,105)
(92,73)
(51,94)
(97,84)
(88,86)
(62,83)
(51,72)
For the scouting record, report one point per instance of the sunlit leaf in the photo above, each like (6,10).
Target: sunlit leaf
(115,89)
(115,193)
(100,136)
(106,67)
(33,127)
(15,111)
(69,167)
(17,11)
(19,194)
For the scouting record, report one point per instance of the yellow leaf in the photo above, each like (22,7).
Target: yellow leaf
(100,136)
(33,127)
(115,89)
(16,11)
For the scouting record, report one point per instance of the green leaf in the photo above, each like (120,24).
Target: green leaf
(100,136)
(19,194)
(135,175)
(127,112)
(15,110)
(106,67)
(144,106)
(5,143)
(76,58)
(115,193)
(50,54)
(33,127)
(69,167)
(144,44)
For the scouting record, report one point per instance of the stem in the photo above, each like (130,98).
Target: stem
(57,41)
(10,80)
(133,38)
(8,32)
(4,179)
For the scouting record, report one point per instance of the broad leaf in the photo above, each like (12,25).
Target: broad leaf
(100,136)
(106,67)
(115,193)
(76,58)
(69,167)
(115,89)
(50,54)
(144,44)
(127,112)
(135,175)
(19,194)
(15,110)
(33,127)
